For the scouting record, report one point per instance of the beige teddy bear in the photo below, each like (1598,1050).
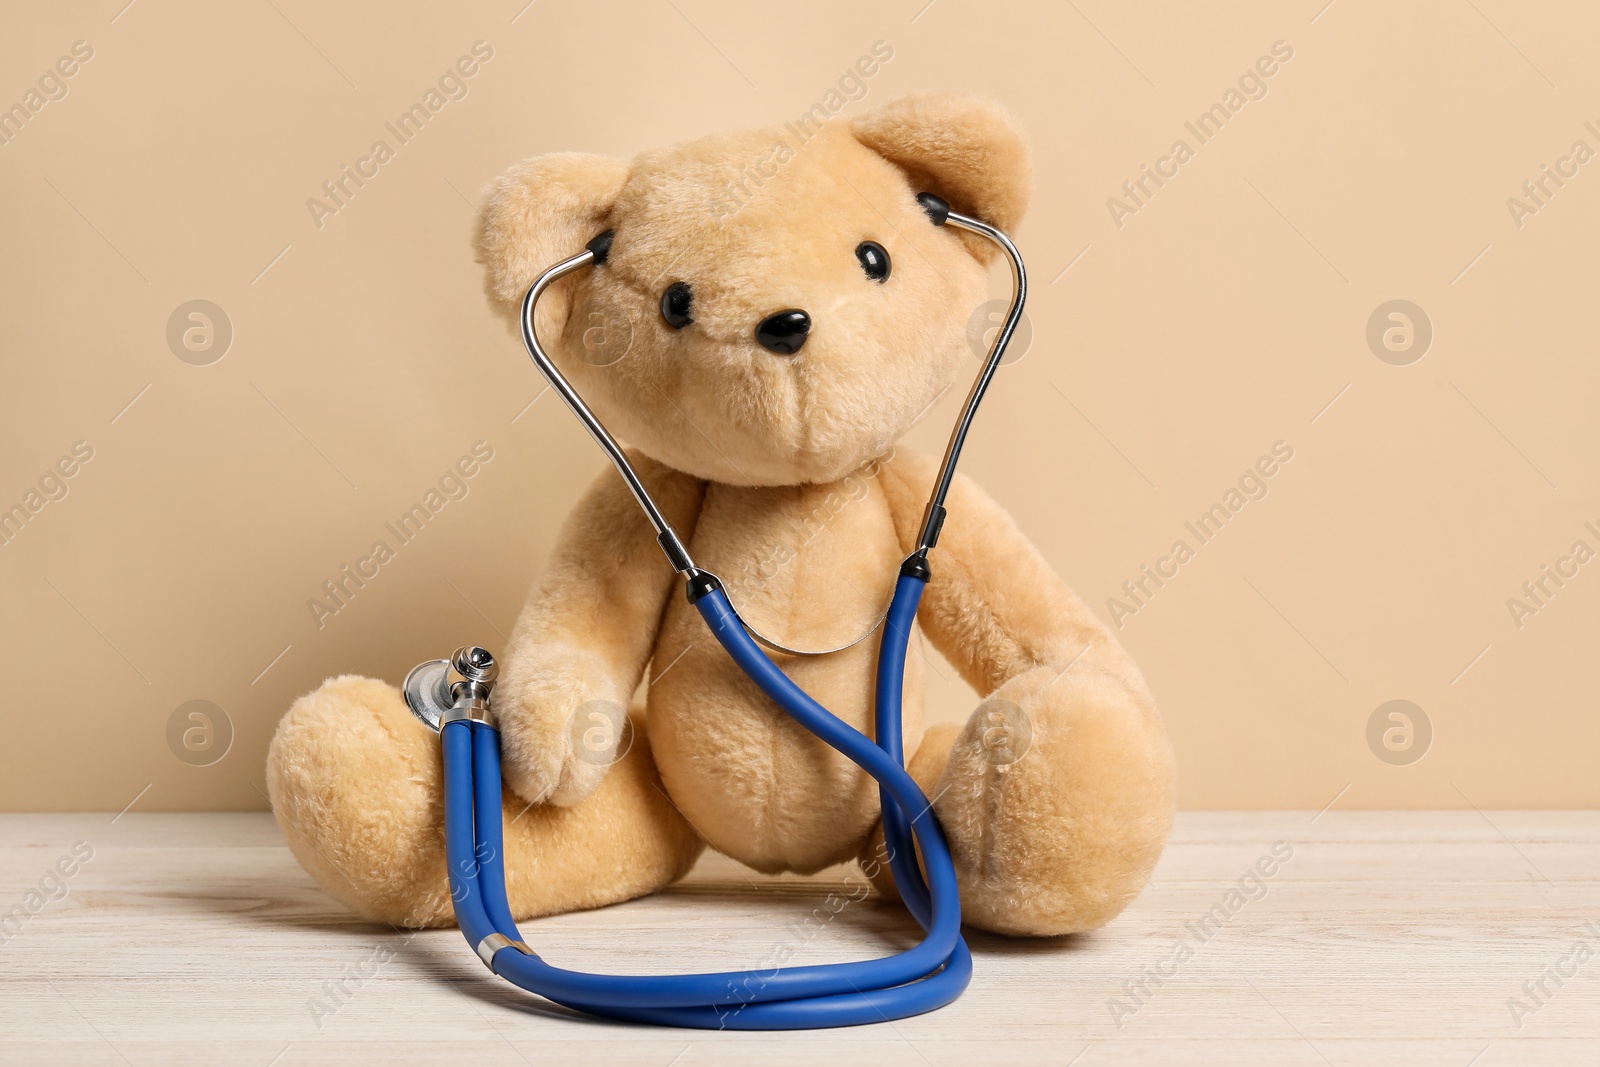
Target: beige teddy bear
(778,314)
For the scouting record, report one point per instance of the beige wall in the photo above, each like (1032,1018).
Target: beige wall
(1173,346)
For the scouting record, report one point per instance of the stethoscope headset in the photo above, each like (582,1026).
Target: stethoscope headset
(452,697)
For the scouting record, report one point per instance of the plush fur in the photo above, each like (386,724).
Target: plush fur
(782,475)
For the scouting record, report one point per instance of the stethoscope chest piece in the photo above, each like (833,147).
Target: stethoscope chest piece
(439,691)
(427,692)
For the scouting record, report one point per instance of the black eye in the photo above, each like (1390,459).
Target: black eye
(874,260)
(675,303)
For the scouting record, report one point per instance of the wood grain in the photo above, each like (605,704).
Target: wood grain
(1387,937)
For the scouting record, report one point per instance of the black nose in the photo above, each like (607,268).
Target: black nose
(784,332)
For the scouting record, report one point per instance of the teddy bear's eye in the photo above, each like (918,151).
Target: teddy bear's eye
(874,260)
(675,304)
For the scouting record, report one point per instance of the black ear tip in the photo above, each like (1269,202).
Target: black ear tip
(936,208)
(601,246)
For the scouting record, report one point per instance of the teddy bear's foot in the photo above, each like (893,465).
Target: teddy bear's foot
(357,786)
(1056,798)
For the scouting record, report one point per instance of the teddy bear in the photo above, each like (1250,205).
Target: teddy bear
(779,312)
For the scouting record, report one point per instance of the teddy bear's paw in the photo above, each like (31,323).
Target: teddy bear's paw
(563,722)
(1056,798)
(357,786)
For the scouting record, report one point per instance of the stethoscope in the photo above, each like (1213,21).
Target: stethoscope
(452,697)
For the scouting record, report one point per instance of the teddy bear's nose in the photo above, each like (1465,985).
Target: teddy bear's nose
(784,332)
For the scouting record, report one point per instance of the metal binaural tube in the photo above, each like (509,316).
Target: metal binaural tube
(933,515)
(666,536)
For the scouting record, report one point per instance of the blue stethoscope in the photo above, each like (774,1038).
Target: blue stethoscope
(452,697)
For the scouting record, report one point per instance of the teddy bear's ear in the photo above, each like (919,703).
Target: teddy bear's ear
(965,149)
(541,211)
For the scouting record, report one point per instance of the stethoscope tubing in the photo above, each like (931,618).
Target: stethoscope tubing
(919,979)
(926,976)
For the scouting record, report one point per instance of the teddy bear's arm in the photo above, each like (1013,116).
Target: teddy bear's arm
(585,635)
(995,608)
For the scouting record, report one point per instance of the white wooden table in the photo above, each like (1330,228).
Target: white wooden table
(1387,937)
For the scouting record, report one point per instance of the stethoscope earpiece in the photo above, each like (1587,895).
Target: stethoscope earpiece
(938,210)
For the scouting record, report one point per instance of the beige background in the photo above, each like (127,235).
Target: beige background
(1229,313)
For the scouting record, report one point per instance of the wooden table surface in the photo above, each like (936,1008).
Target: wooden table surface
(1450,938)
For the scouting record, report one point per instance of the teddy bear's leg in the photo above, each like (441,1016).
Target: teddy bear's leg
(357,785)
(1056,797)
(1057,794)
